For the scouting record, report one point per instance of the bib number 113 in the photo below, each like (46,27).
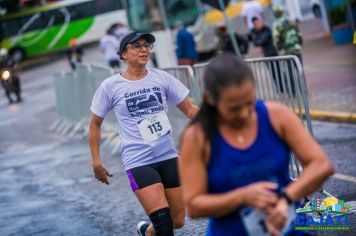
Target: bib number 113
(155,127)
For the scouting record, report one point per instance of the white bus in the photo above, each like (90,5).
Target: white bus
(43,29)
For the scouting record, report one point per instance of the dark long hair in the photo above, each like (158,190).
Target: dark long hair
(220,73)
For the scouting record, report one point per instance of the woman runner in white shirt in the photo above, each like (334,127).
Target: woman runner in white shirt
(139,99)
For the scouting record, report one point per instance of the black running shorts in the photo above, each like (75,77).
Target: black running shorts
(164,172)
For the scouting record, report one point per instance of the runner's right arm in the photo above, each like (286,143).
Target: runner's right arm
(94,143)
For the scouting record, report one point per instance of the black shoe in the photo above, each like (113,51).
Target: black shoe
(142,227)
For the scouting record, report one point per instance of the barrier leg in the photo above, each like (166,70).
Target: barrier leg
(80,125)
(55,124)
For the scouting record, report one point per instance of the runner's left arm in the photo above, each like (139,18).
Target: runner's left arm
(177,94)
(188,108)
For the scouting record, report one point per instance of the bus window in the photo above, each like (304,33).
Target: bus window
(138,16)
(10,27)
(102,6)
(144,18)
(81,11)
(32,23)
(55,17)
(183,10)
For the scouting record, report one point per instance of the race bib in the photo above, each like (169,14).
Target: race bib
(255,221)
(154,127)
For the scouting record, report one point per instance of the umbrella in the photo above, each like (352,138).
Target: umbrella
(221,4)
(216,17)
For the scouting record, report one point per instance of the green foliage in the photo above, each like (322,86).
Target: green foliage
(337,15)
(347,206)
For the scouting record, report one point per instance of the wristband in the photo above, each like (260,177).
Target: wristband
(286,197)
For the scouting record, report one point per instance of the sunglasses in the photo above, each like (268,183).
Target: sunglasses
(138,46)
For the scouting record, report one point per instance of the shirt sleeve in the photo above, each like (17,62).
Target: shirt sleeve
(175,90)
(101,104)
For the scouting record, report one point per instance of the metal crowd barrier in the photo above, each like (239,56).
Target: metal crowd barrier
(178,120)
(279,79)
(74,92)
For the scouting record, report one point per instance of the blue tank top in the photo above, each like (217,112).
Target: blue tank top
(266,159)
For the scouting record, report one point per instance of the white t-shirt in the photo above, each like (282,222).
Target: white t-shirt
(133,102)
(109,45)
(252,9)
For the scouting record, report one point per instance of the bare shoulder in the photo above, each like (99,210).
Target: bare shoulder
(275,106)
(280,116)
(277,109)
(193,133)
(193,142)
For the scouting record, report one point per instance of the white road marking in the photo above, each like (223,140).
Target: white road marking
(345,177)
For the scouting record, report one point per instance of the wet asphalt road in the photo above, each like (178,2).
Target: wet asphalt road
(46,182)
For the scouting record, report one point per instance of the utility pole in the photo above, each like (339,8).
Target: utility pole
(351,17)
(324,16)
(229,30)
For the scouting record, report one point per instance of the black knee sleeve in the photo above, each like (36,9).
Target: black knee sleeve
(162,222)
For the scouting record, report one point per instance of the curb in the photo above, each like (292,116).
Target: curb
(345,117)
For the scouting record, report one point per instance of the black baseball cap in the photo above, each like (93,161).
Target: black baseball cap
(133,37)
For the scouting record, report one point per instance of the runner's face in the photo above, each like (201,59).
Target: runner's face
(236,104)
(138,53)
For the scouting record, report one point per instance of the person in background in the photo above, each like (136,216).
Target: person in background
(261,36)
(251,9)
(286,35)
(119,30)
(11,83)
(109,45)
(138,97)
(74,53)
(186,51)
(225,43)
(288,41)
(230,173)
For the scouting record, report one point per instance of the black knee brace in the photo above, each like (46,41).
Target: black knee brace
(162,222)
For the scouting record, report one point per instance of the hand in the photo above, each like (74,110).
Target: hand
(277,217)
(101,173)
(260,195)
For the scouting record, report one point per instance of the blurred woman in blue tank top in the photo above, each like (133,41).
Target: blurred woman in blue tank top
(235,156)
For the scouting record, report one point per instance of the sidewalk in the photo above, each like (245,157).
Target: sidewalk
(330,70)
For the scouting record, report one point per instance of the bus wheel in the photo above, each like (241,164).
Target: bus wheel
(17,54)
